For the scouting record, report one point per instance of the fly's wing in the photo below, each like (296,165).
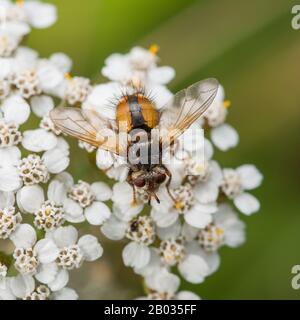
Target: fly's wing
(185,108)
(87,126)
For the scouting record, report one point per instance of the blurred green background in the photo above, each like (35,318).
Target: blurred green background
(252,49)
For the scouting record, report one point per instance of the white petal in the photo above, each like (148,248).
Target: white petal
(122,193)
(7,199)
(116,68)
(250,176)
(16,109)
(65,236)
(66,179)
(60,281)
(90,247)
(63,145)
(56,160)
(99,99)
(65,294)
(225,216)
(27,55)
(136,255)
(154,266)
(208,191)
(162,95)
(49,76)
(127,211)
(189,233)
(97,213)
(104,159)
(39,140)
(208,150)
(30,198)
(61,61)
(40,15)
(9,179)
(224,137)
(220,94)
(171,232)
(22,285)
(73,211)
(5,67)
(212,259)
(193,141)
(200,215)
(17,29)
(164,219)
(114,229)
(162,75)
(9,156)
(119,173)
(235,234)
(46,250)
(41,105)
(163,281)
(177,168)
(198,219)
(102,191)
(47,273)
(187,295)
(57,192)
(206,208)
(216,174)
(247,203)
(24,236)
(194,269)
(5,291)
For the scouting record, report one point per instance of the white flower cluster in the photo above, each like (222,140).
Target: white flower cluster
(184,231)
(188,232)
(39,202)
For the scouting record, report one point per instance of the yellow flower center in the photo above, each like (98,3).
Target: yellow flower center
(178,205)
(154,48)
(68,76)
(219,232)
(227,104)
(200,169)
(20,2)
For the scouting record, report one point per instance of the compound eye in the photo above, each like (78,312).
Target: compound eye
(160,178)
(139,182)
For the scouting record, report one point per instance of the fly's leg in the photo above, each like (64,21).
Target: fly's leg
(134,202)
(169,174)
(129,180)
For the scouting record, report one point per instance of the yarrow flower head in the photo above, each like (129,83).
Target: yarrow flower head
(9,134)
(192,221)
(34,186)
(33,170)
(9,221)
(181,227)
(237,182)
(77,90)
(49,217)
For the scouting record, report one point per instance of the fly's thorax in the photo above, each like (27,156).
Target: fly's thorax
(143,149)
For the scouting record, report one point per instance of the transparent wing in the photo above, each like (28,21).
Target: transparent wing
(185,108)
(87,126)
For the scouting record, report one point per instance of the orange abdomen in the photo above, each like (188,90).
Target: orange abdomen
(136,111)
